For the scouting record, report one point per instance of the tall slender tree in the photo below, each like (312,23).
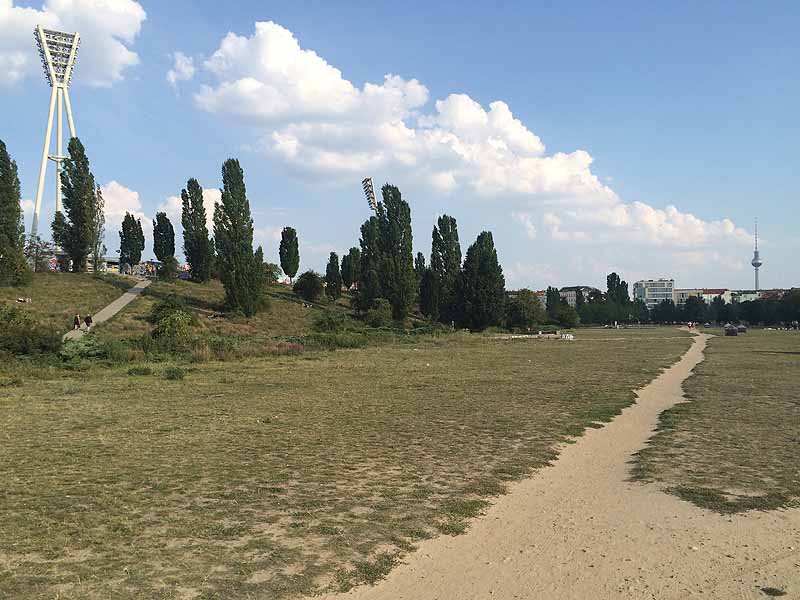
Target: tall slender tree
(73,231)
(13,267)
(397,266)
(351,265)
(333,278)
(419,267)
(164,245)
(370,288)
(446,264)
(552,301)
(131,241)
(289,252)
(197,247)
(429,295)
(241,269)
(482,285)
(97,230)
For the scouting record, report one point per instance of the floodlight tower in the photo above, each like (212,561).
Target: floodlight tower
(58,50)
(756,262)
(369,192)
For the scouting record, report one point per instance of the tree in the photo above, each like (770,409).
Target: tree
(131,241)
(241,269)
(97,230)
(39,253)
(197,247)
(309,286)
(429,295)
(75,231)
(579,299)
(715,309)
(566,315)
(525,310)
(370,288)
(694,309)
(552,301)
(13,268)
(665,312)
(640,311)
(617,290)
(482,285)
(164,245)
(419,267)
(289,252)
(446,264)
(333,278)
(351,265)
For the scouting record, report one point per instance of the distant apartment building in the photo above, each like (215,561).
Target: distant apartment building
(570,293)
(654,291)
(680,295)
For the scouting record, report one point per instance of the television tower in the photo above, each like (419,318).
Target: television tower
(756,262)
(58,50)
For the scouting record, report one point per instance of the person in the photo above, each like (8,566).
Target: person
(76,323)
(88,321)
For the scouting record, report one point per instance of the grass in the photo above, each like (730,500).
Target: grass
(736,445)
(287,475)
(57,297)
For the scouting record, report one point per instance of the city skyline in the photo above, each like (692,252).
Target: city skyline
(577,168)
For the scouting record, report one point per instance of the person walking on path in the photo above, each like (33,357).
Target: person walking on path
(88,321)
(76,323)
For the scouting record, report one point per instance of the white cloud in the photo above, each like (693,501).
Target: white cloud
(173,206)
(107,30)
(119,200)
(316,121)
(183,69)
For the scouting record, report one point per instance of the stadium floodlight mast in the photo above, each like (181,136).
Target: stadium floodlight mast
(58,50)
(369,192)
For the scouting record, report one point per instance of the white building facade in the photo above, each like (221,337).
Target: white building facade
(654,291)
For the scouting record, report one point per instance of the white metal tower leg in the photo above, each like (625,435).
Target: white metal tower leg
(40,188)
(69,113)
(59,150)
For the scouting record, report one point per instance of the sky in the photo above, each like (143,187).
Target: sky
(640,138)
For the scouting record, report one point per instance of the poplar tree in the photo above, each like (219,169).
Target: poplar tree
(13,267)
(351,265)
(289,252)
(97,230)
(333,278)
(73,231)
(482,285)
(552,300)
(241,269)
(164,244)
(197,247)
(429,295)
(419,267)
(370,288)
(397,266)
(131,241)
(446,265)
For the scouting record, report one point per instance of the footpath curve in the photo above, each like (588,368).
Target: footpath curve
(112,309)
(581,529)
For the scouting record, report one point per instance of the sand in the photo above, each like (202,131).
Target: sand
(580,529)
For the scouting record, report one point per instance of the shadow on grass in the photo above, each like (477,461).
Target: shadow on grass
(728,504)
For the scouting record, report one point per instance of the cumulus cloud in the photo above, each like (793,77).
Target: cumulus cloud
(173,206)
(119,200)
(107,29)
(183,69)
(315,120)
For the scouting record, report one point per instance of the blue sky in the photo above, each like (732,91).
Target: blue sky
(587,138)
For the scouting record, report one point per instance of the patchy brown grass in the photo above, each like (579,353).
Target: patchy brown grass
(281,476)
(735,446)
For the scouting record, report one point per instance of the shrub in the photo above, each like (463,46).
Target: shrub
(380,315)
(21,334)
(169,305)
(89,347)
(140,371)
(309,286)
(172,333)
(175,373)
(329,321)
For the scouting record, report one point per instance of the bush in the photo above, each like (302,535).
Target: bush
(140,371)
(89,347)
(380,315)
(309,286)
(22,335)
(175,373)
(169,268)
(331,321)
(170,305)
(172,333)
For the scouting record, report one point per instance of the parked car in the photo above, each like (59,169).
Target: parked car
(731,330)
(742,329)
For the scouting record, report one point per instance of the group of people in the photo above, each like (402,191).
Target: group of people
(76,323)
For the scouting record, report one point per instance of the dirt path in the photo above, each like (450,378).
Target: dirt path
(112,309)
(579,529)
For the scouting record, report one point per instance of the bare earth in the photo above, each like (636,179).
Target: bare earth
(580,529)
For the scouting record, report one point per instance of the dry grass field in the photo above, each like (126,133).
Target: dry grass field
(274,477)
(735,445)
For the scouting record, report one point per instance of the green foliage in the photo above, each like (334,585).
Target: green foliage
(169,305)
(272,273)
(482,285)
(419,267)
(333,278)
(131,241)
(241,270)
(329,321)
(666,312)
(309,286)
(97,230)
(694,309)
(174,373)
(164,243)
(197,247)
(140,371)
(77,232)
(90,348)
(21,335)
(566,315)
(351,265)
(552,301)
(38,253)
(525,311)
(289,252)
(617,290)
(429,299)
(380,315)
(13,267)
(446,266)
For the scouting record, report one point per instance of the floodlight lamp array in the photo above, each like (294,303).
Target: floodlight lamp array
(60,46)
(369,192)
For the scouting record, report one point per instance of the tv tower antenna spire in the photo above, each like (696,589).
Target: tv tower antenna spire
(756,262)
(58,50)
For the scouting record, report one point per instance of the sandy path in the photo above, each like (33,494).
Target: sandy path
(579,529)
